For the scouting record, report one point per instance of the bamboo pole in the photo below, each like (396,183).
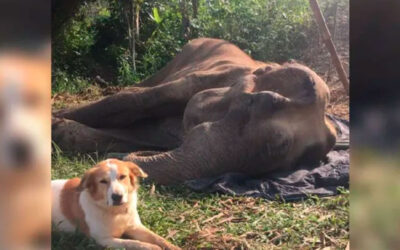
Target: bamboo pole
(333,39)
(326,36)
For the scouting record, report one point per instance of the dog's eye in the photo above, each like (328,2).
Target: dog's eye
(122,177)
(104,181)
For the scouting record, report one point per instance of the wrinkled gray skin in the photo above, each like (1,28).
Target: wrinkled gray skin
(219,110)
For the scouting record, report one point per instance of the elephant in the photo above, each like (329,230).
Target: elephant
(211,110)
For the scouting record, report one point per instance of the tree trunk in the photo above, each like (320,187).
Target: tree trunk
(133,32)
(185,19)
(137,20)
(128,10)
(195,5)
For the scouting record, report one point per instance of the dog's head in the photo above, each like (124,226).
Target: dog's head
(111,182)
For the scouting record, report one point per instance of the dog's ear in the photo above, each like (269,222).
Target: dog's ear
(136,170)
(87,181)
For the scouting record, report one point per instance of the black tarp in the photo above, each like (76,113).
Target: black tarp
(302,181)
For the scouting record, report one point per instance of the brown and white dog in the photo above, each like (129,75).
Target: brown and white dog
(103,205)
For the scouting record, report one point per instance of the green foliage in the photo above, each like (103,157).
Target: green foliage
(163,40)
(96,41)
(67,83)
(156,16)
(267,30)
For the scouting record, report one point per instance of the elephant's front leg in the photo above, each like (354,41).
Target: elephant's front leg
(74,136)
(124,108)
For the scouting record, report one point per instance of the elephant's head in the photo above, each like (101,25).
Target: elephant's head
(283,117)
(276,121)
(294,81)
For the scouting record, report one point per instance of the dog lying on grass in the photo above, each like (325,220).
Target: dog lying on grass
(104,206)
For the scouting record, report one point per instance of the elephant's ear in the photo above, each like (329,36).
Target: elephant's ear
(307,93)
(239,108)
(262,70)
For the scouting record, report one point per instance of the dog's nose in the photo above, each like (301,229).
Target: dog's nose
(117,198)
(20,152)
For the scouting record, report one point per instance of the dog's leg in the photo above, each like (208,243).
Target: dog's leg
(128,244)
(141,233)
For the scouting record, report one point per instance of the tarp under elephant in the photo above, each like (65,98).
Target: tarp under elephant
(321,180)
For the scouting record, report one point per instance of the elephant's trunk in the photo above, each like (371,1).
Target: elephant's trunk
(200,156)
(166,168)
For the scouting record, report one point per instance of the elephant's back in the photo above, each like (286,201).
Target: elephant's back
(205,55)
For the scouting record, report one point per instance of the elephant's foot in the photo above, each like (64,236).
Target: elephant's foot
(73,136)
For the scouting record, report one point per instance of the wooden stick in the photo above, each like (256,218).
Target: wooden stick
(333,39)
(326,36)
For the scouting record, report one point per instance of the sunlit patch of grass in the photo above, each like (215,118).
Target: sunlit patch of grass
(198,220)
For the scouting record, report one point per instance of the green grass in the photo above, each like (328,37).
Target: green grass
(213,221)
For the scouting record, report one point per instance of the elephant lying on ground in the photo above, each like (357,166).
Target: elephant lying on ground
(216,110)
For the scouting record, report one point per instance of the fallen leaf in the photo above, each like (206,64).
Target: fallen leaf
(213,218)
(171,233)
(225,220)
(152,190)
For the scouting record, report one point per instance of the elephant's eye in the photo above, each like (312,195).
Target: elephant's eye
(122,177)
(104,181)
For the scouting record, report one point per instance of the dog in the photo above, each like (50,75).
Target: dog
(103,205)
(25,147)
